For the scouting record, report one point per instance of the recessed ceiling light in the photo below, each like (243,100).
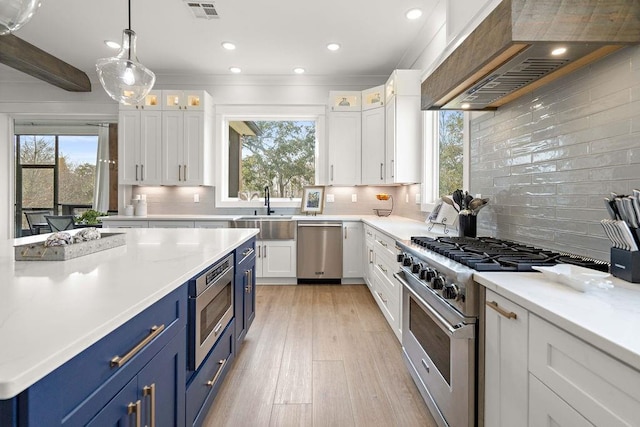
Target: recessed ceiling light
(235,70)
(112,44)
(558,51)
(299,70)
(413,14)
(465,106)
(333,46)
(228,45)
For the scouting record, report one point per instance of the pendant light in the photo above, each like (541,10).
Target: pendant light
(15,13)
(123,77)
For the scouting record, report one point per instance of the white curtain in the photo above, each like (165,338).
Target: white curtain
(101,193)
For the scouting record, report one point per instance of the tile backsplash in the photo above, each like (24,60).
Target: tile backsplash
(548,159)
(180,201)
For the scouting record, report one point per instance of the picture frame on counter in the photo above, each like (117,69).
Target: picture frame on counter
(312,199)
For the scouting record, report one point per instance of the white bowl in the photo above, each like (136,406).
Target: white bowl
(579,278)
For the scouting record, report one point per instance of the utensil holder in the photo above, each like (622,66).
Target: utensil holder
(467,225)
(625,265)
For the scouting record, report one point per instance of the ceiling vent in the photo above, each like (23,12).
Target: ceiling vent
(202,10)
(509,54)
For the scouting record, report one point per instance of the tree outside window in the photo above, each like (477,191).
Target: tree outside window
(278,153)
(451,141)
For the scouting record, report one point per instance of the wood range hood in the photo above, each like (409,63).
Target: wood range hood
(509,54)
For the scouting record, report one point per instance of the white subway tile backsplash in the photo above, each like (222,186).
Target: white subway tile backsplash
(548,159)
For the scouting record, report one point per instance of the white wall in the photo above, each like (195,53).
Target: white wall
(6,178)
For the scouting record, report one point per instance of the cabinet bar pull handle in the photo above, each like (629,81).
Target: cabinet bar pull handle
(184,174)
(381,171)
(505,313)
(136,172)
(216,330)
(382,243)
(370,256)
(259,251)
(247,252)
(265,251)
(118,361)
(211,382)
(247,288)
(393,165)
(134,408)
(424,363)
(179,172)
(141,172)
(150,390)
(382,268)
(331,172)
(345,233)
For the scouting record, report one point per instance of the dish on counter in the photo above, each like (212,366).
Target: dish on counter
(579,278)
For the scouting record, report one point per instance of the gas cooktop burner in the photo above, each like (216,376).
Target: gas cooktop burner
(490,254)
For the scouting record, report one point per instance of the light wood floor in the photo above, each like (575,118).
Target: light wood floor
(318,355)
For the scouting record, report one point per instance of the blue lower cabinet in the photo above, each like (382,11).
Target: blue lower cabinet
(9,412)
(94,386)
(204,385)
(244,296)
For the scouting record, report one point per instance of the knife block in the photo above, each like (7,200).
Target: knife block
(625,265)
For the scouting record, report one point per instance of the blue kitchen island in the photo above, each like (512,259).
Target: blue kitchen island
(103,339)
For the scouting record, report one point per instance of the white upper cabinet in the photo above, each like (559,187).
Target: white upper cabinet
(167,140)
(373,146)
(153,101)
(345,101)
(139,146)
(373,98)
(344,147)
(191,100)
(403,127)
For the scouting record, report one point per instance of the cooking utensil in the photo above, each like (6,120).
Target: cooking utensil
(457,198)
(450,202)
(607,205)
(467,199)
(632,220)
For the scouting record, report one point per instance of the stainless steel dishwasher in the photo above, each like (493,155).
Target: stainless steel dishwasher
(319,252)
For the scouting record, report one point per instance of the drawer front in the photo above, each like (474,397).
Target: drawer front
(386,246)
(211,224)
(546,409)
(369,233)
(205,384)
(171,224)
(92,369)
(126,224)
(604,390)
(245,253)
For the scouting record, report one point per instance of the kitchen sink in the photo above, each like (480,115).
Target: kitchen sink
(272,227)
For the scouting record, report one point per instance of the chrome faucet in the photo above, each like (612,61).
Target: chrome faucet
(267,200)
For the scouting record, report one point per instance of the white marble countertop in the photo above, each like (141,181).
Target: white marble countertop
(607,319)
(51,311)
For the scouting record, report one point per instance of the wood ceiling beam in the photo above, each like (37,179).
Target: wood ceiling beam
(25,57)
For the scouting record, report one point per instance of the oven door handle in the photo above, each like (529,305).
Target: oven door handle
(459,331)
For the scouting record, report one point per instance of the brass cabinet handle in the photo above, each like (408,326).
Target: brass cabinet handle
(135,408)
(179,172)
(136,172)
(221,362)
(382,297)
(382,243)
(502,311)
(370,256)
(259,251)
(118,361)
(382,268)
(150,390)
(381,171)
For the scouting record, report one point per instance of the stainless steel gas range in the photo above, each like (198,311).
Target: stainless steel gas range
(442,315)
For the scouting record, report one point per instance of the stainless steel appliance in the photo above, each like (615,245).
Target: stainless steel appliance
(442,329)
(210,308)
(319,252)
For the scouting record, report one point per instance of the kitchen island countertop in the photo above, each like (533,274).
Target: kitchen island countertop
(50,311)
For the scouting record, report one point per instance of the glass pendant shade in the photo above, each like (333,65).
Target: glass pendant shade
(15,13)
(123,77)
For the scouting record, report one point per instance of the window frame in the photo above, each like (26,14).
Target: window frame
(430,153)
(228,113)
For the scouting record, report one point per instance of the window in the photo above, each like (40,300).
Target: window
(446,154)
(54,171)
(259,146)
(274,153)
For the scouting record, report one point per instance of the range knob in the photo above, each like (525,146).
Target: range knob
(400,256)
(427,274)
(438,282)
(407,261)
(415,267)
(450,291)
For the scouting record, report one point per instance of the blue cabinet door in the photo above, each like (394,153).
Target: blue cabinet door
(161,385)
(122,411)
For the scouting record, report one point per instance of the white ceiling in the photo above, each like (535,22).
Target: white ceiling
(272,37)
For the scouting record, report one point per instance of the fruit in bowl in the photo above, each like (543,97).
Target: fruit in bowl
(383,196)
